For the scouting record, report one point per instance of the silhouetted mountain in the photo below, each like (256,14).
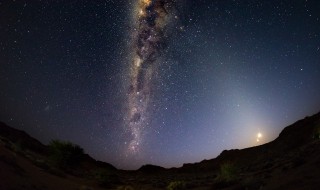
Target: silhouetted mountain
(25,141)
(151,168)
(291,161)
(299,134)
(21,138)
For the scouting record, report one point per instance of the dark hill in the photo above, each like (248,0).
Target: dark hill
(291,161)
(293,137)
(151,168)
(22,138)
(26,142)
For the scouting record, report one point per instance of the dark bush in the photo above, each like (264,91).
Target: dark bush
(176,185)
(316,134)
(227,176)
(64,154)
(106,178)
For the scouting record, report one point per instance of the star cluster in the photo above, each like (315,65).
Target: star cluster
(158,81)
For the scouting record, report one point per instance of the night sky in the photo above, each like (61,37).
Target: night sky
(159,82)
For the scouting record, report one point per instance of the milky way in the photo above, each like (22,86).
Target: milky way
(158,82)
(151,19)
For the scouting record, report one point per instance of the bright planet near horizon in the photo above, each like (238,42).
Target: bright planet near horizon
(259,136)
(162,82)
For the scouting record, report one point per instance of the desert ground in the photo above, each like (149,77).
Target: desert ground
(291,161)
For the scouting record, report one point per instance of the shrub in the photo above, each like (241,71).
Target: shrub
(176,185)
(228,173)
(105,178)
(18,147)
(64,154)
(126,187)
(316,133)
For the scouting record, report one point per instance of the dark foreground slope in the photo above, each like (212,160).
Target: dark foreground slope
(302,133)
(292,161)
(25,163)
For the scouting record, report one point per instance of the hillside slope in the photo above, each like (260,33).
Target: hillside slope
(291,161)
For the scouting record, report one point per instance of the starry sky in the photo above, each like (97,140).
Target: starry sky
(161,82)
